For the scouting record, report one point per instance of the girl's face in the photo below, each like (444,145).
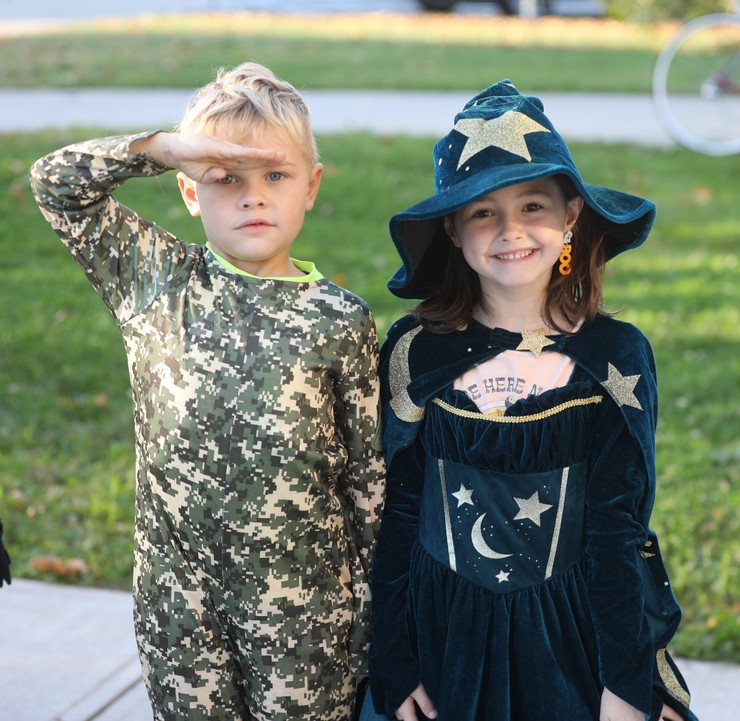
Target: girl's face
(512,237)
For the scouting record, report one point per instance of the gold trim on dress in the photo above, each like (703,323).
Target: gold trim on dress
(497,416)
(670,680)
(400,378)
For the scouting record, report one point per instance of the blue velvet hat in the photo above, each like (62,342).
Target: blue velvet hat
(499,139)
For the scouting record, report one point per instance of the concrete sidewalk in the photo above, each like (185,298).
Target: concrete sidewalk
(593,117)
(68,654)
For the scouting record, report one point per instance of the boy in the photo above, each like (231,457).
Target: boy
(255,395)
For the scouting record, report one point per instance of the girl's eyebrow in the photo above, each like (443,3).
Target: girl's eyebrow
(537,190)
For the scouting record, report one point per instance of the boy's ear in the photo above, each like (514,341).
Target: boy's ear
(314,182)
(189,193)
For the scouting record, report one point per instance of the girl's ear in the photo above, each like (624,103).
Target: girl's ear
(572,211)
(189,193)
(450,230)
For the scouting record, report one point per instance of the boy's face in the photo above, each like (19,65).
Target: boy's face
(252,216)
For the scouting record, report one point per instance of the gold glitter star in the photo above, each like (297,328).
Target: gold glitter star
(534,340)
(622,388)
(507,132)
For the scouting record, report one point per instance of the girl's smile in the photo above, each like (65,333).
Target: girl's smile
(518,255)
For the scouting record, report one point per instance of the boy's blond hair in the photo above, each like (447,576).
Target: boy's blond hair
(249,98)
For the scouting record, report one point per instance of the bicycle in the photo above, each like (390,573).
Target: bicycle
(696,84)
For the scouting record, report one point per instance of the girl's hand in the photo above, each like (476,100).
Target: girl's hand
(668,714)
(614,708)
(203,158)
(407,712)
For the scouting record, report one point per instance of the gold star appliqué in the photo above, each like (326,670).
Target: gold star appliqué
(621,388)
(535,341)
(507,132)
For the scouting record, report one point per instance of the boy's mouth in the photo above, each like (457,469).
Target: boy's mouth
(254,223)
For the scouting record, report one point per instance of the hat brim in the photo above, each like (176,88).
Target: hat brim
(420,238)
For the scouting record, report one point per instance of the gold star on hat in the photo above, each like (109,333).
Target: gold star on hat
(535,341)
(507,132)
(622,388)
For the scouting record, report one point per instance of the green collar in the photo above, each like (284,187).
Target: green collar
(305,266)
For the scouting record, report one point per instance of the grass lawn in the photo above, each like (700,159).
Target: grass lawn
(66,443)
(426,52)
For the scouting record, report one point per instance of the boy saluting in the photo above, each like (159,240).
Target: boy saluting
(255,402)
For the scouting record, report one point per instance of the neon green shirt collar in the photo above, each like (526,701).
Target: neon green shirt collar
(305,266)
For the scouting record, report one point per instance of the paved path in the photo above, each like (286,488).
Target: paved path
(597,117)
(68,654)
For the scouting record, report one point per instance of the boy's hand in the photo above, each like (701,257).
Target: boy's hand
(203,158)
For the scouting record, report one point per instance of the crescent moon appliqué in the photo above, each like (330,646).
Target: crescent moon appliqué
(479,543)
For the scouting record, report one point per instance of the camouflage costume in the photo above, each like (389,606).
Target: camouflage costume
(258,492)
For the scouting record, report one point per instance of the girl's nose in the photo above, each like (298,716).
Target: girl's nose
(509,228)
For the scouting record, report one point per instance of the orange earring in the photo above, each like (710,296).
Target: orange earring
(566,254)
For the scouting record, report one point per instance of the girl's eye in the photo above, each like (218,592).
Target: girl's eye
(531,207)
(227,180)
(275,176)
(482,213)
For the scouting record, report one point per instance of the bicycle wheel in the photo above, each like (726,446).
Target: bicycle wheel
(696,85)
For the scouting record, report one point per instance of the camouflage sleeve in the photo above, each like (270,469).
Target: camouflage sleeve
(363,485)
(127,259)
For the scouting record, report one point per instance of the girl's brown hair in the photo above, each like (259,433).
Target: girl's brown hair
(574,298)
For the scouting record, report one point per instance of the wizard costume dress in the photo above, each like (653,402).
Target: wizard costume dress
(516,575)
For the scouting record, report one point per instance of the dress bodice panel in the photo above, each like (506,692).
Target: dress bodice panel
(503,499)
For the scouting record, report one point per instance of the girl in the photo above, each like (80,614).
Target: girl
(516,577)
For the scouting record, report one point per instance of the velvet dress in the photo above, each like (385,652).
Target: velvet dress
(515,574)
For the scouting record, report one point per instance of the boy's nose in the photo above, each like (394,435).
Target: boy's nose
(251,196)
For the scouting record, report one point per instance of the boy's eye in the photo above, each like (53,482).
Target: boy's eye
(275,176)
(227,180)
